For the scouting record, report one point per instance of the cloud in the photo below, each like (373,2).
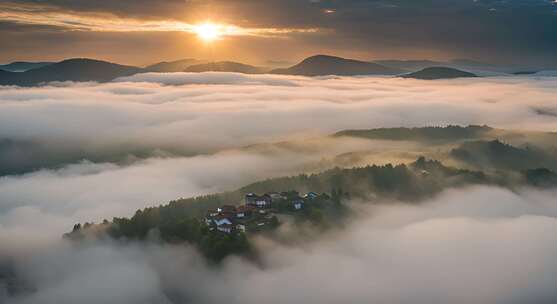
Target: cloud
(213,78)
(492,247)
(486,240)
(379,29)
(185,114)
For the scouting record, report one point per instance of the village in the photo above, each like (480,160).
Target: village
(259,212)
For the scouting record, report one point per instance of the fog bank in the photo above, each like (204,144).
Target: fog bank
(475,245)
(189,113)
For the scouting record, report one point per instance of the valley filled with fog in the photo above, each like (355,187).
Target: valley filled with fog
(81,152)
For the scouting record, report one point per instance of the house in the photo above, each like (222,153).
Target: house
(245,211)
(311,195)
(250,198)
(226,228)
(241,227)
(263,201)
(222,220)
(297,203)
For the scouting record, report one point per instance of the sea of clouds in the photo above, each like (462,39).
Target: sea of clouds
(478,245)
(474,245)
(215,110)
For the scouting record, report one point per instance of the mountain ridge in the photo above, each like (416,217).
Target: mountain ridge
(225,66)
(322,65)
(436,73)
(22,66)
(74,69)
(173,66)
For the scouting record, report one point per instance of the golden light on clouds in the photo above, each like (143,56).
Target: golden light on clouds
(68,21)
(209,31)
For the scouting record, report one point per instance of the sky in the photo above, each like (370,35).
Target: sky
(140,32)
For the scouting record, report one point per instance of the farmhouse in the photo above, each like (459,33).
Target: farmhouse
(263,201)
(245,211)
(226,228)
(311,195)
(297,203)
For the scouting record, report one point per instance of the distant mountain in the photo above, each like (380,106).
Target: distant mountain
(439,73)
(476,67)
(321,65)
(525,73)
(22,66)
(225,66)
(70,70)
(547,73)
(278,63)
(448,133)
(173,66)
(411,65)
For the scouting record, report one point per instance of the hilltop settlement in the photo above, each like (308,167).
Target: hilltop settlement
(222,230)
(258,212)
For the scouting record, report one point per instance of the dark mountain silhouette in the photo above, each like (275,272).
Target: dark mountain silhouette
(22,66)
(173,66)
(329,65)
(461,64)
(410,65)
(433,73)
(225,66)
(448,133)
(70,70)
(525,73)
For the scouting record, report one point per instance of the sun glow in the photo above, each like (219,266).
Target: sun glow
(209,31)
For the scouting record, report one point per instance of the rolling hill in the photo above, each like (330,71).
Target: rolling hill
(448,133)
(321,65)
(225,66)
(22,66)
(409,65)
(79,69)
(434,73)
(173,66)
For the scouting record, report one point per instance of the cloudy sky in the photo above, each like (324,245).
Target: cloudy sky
(140,32)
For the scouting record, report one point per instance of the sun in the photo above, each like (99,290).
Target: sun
(208,31)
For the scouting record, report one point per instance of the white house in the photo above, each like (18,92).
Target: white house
(261,203)
(226,228)
(241,227)
(298,204)
(253,199)
(222,221)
